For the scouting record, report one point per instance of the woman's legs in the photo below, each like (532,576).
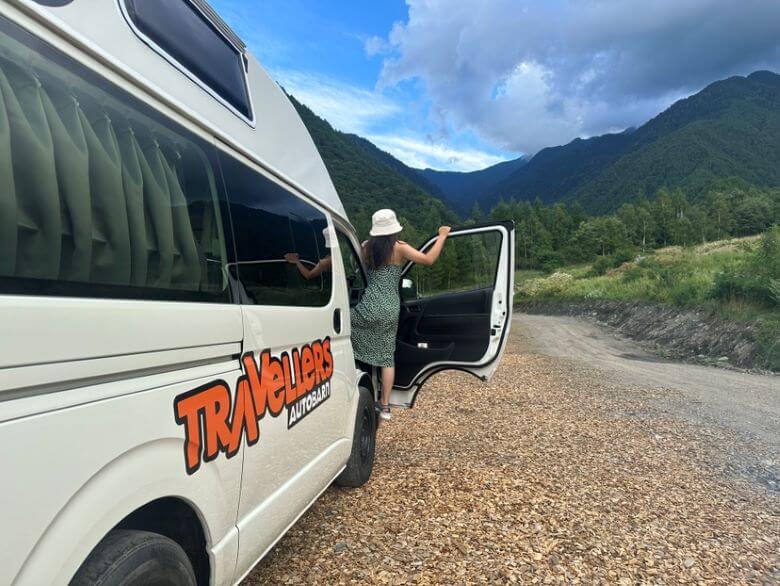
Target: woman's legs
(388,377)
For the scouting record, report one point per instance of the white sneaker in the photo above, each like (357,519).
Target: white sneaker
(384,413)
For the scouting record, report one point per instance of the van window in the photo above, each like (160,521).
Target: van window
(468,262)
(353,269)
(100,196)
(185,35)
(270,224)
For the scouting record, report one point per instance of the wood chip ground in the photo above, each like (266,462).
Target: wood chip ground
(550,474)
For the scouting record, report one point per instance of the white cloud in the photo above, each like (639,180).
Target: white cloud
(525,74)
(347,107)
(370,113)
(376,46)
(424,154)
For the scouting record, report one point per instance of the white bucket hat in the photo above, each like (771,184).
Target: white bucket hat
(384,223)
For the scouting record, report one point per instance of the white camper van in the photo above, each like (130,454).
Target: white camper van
(173,394)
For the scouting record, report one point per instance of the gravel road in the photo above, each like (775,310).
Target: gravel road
(583,461)
(743,403)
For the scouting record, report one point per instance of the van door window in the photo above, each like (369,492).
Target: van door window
(465,264)
(280,240)
(100,196)
(353,269)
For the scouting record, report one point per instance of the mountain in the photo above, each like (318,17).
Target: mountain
(729,130)
(727,134)
(460,190)
(399,167)
(368,179)
(555,172)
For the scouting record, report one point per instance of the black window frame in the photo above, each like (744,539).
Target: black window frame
(244,110)
(342,236)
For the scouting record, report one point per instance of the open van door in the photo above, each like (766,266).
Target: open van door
(456,313)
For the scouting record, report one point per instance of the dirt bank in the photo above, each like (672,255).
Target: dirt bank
(671,332)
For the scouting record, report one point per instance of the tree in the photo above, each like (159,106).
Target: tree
(720,214)
(603,235)
(560,226)
(753,214)
(476,213)
(664,212)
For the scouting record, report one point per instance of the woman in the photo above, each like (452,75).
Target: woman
(375,318)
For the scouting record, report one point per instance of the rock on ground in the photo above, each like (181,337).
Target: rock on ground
(549,474)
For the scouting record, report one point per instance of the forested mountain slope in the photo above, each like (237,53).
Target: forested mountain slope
(461,190)
(729,130)
(365,183)
(728,134)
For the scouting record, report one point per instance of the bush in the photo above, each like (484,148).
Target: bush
(548,261)
(688,291)
(738,283)
(644,267)
(551,286)
(611,261)
(774,289)
(756,278)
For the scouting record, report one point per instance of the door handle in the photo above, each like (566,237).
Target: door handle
(337,320)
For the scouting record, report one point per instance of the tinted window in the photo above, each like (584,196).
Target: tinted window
(352,268)
(282,252)
(99,195)
(180,29)
(467,262)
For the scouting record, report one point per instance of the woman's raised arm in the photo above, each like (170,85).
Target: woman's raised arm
(426,258)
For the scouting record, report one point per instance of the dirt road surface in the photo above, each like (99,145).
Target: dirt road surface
(583,461)
(746,404)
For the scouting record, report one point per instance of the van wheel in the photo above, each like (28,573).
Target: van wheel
(136,558)
(361,460)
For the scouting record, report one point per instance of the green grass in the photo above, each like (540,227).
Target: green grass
(737,279)
(526,274)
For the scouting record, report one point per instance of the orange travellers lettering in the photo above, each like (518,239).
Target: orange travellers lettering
(215,421)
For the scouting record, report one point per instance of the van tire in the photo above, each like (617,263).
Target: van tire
(134,558)
(361,460)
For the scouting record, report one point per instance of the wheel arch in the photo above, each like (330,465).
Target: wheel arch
(113,498)
(179,520)
(364,379)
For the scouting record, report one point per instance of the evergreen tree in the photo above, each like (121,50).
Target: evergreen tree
(476,213)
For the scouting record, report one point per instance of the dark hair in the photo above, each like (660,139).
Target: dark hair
(379,250)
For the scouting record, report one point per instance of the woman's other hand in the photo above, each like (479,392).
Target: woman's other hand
(444,231)
(292,257)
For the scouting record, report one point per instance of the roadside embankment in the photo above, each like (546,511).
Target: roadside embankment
(671,332)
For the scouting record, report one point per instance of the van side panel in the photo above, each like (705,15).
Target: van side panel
(42,329)
(264,519)
(79,471)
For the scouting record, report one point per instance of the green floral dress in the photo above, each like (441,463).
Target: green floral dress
(375,318)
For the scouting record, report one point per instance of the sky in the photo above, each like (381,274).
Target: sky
(464,84)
